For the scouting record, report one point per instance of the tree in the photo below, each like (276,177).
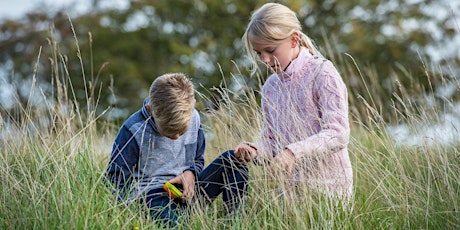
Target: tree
(203,39)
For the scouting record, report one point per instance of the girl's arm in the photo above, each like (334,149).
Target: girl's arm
(265,146)
(333,105)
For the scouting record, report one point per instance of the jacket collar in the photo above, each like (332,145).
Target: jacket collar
(147,116)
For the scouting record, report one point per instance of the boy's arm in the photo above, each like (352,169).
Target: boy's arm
(124,158)
(198,165)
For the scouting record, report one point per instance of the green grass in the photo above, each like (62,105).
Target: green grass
(52,161)
(396,186)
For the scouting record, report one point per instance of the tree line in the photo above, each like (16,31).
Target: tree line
(119,52)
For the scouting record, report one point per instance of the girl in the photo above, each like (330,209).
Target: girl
(304,104)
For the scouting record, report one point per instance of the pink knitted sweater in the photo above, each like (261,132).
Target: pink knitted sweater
(305,109)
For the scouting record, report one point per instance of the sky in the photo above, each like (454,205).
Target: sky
(15,9)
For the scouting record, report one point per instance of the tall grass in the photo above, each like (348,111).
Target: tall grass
(53,155)
(53,158)
(397,186)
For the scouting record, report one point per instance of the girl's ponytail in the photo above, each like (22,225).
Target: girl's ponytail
(305,41)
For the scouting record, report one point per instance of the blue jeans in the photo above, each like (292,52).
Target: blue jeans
(163,208)
(224,175)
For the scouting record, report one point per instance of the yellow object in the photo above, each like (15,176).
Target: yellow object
(172,190)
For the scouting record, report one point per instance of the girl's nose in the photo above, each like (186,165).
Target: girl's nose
(265,58)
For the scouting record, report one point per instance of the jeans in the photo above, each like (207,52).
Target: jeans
(163,208)
(224,175)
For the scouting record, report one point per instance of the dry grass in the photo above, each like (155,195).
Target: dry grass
(53,156)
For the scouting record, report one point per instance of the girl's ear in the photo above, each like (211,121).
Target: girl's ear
(295,39)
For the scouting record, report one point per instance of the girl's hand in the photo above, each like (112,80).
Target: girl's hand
(187,180)
(245,153)
(284,162)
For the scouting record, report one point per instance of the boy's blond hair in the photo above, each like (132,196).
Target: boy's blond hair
(172,101)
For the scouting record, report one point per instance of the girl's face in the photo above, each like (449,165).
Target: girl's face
(276,55)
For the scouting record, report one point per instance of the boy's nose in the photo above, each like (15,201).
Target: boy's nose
(175,137)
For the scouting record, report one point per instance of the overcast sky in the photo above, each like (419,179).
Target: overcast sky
(13,9)
(16,8)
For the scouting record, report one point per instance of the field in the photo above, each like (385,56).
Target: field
(52,160)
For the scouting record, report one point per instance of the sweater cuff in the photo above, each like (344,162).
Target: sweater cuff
(193,171)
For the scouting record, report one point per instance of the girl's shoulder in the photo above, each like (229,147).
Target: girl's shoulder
(327,78)
(316,63)
(271,81)
(321,66)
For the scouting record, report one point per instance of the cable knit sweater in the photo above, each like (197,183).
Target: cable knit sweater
(305,109)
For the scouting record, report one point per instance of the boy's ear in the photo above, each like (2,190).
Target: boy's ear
(147,106)
(193,102)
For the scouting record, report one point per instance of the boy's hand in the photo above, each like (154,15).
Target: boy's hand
(245,153)
(187,180)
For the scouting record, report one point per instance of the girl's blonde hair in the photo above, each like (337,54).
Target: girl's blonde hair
(274,22)
(172,101)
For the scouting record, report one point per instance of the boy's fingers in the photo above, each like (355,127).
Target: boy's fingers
(176,180)
(189,192)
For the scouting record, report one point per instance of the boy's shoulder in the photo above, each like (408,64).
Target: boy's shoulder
(134,119)
(196,114)
(196,119)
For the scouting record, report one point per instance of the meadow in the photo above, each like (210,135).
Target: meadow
(53,158)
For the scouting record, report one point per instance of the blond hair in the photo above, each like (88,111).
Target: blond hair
(274,22)
(172,101)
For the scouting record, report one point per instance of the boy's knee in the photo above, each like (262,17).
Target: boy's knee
(228,154)
(228,158)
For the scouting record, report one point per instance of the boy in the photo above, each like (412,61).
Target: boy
(164,141)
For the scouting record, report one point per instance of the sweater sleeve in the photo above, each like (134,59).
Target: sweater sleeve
(264,146)
(123,160)
(332,102)
(198,164)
